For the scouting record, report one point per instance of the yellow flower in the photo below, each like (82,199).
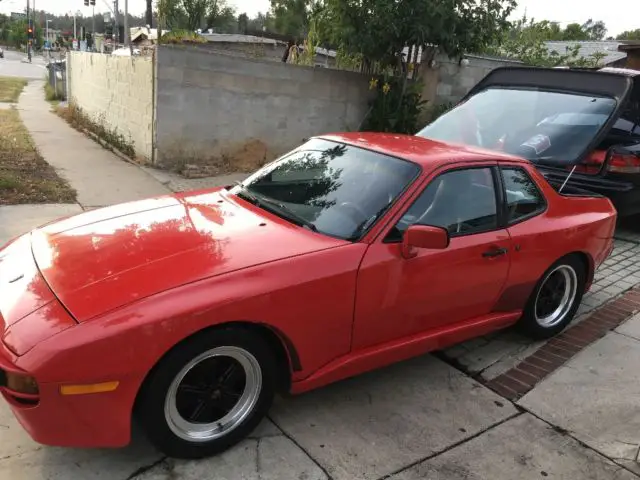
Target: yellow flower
(385,88)
(373,83)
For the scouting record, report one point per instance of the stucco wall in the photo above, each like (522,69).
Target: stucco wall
(210,105)
(116,92)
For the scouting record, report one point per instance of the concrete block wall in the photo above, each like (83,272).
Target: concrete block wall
(116,92)
(209,103)
(455,80)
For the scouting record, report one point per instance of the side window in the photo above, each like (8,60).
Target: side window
(462,201)
(522,195)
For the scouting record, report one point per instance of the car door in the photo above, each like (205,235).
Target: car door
(397,297)
(533,234)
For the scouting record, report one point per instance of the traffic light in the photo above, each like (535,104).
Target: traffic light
(30,32)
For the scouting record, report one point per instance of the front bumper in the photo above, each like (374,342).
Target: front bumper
(84,421)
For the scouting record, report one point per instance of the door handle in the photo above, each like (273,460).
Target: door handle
(495,252)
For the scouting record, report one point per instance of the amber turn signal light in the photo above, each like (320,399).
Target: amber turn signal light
(21,383)
(89,388)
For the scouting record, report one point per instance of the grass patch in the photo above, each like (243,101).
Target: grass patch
(24,176)
(11,88)
(81,121)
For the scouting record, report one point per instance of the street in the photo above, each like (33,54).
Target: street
(13,65)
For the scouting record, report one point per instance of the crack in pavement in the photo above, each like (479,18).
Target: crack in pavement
(452,446)
(146,468)
(565,432)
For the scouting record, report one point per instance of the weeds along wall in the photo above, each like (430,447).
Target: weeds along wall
(116,93)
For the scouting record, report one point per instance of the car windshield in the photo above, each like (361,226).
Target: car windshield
(332,188)
(539,125)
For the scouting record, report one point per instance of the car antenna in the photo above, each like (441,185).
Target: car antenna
(567,179)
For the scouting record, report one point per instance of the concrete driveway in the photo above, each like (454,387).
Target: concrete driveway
(423,418)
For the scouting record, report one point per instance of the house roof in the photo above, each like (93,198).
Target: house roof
(144,32)
(588,48)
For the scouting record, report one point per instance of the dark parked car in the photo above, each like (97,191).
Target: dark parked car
(581,128)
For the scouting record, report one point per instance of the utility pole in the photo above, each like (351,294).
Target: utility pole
(93,28)
(29,29)
(116,22)
(126,23)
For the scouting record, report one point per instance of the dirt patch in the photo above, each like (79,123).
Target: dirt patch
(11,88)
(196,163)
(24,176)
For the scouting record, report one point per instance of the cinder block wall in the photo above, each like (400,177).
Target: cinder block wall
(210,103)
(455,80)
(116,92)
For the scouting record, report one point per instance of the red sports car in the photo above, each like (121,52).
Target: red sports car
(187,313)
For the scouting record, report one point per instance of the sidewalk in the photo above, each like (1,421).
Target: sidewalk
(99,177)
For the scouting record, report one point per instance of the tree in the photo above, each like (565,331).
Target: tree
(243,23)
(376,32)
(220,15)
(526,41)
(260,22)
(195,11)
(595,30)
(291,17)
(380,29)
(170,14)
(629,35)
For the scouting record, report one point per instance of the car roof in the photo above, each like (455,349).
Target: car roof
(423,151)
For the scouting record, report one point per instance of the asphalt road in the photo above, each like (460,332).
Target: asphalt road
(12,65)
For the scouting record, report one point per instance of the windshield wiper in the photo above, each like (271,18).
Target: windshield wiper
(274,207)
(281,210)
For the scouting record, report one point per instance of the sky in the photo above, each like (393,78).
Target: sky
(618,15)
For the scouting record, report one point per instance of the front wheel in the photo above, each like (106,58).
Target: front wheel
(208,393)
(555,299)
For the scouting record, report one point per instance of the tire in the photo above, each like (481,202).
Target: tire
(180,386)
(540,320)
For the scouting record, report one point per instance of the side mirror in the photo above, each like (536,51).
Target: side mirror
(422,236)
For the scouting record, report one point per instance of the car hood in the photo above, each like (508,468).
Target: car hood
(107,258)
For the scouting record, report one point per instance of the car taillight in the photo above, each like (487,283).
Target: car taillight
(624,164)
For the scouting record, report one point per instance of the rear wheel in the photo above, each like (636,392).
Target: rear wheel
(555,299)
(208,394)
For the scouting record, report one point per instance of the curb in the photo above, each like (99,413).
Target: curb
(519,380)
